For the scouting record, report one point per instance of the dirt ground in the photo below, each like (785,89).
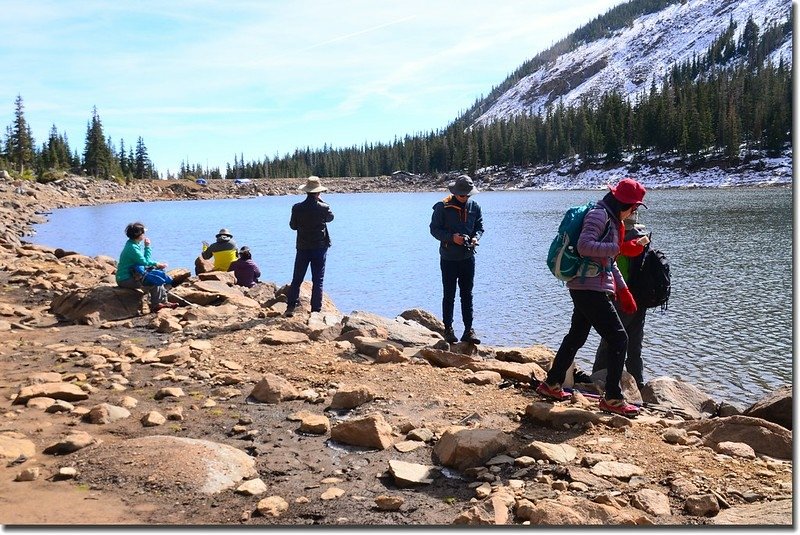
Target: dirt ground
(301,467)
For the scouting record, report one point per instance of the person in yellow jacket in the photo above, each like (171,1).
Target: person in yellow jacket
(223,250)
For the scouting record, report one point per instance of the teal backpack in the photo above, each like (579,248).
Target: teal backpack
(563,258)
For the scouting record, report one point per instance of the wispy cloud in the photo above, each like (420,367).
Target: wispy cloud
(266,75)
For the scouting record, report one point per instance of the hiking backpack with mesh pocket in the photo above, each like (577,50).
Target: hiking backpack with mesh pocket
(563,259)
(651,283)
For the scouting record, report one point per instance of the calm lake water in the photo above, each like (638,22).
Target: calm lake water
(728,329)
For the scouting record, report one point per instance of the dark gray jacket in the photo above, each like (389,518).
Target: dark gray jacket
(309,219)
(451,217)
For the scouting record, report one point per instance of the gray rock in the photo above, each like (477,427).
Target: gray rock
(555,453)
(702,505)
(764,437)
(410,474)
(775,407)
(771,513)
(681,395)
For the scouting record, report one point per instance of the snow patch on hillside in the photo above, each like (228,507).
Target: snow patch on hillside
(629,60)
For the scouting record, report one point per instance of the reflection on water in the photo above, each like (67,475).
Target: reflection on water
(728,328)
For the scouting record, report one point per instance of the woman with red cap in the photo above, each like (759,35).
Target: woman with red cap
(592,297)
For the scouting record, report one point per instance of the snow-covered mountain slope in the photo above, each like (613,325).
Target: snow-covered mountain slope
(632,57)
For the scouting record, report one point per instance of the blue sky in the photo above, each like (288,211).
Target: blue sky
(202,81)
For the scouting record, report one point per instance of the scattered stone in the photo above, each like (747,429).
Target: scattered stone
(370,432)
(153,419)
(462,447)
(616,469)
(273,389)
(484,378)
(351,397)
(331,494)
(253,487)
(422,434)
(556,453)
(66,472)
(106,414)
(410,474)
(60,390)
(735,449)
(169,392)
(29,474)
(74,441)
(389,503)
(651,502)
(408,445)
(702,505)
(273,506)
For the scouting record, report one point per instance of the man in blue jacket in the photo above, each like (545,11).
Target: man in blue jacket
(458,225)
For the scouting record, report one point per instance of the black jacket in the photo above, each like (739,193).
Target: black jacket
(451,217)
(309,219)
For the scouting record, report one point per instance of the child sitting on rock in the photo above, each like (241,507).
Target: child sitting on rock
(244,269)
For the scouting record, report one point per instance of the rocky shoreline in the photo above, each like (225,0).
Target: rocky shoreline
(225,412)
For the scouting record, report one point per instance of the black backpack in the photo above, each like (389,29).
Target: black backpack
(650,281)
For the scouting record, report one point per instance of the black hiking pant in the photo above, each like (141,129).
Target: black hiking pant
(462,273)
(634,326)
(592,309)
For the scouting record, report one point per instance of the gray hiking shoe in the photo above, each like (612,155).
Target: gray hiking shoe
(469,336)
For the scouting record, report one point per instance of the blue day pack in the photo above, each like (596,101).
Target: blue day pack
(151,276)
(563,259)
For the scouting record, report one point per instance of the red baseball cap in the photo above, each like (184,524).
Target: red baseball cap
(628,191)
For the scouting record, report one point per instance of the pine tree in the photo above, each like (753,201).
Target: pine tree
(97,157)
(19,140)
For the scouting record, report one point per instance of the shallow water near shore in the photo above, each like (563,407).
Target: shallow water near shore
(728,329)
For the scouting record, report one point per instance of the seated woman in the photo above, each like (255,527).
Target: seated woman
(244,269)
(134,263)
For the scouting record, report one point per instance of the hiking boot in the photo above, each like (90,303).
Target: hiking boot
(166,304)
(289,312)
(469,336)
(619,406)
(554,393)
(450,335)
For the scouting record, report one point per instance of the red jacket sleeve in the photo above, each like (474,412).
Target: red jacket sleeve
(631,248)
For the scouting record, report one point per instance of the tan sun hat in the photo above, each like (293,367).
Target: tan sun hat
(312,185)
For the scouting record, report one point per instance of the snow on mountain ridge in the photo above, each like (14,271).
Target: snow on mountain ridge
(628,60)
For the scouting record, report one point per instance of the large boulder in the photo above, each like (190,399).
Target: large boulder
(424,318)
(775,407)
(187,465)
(687,398)
(305,298)
(214,293)
(97,304)
(764,437)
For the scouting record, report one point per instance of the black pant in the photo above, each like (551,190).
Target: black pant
(304,257)
(634,326)
(592,309)
(461,272)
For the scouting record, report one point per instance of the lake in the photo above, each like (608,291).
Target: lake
(728,329)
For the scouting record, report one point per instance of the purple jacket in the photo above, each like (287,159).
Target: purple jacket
(602,247)
(245,271)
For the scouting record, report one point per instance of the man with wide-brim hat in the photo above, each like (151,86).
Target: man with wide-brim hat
(312,185)
(457,223)
(310,219)
(224,250)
